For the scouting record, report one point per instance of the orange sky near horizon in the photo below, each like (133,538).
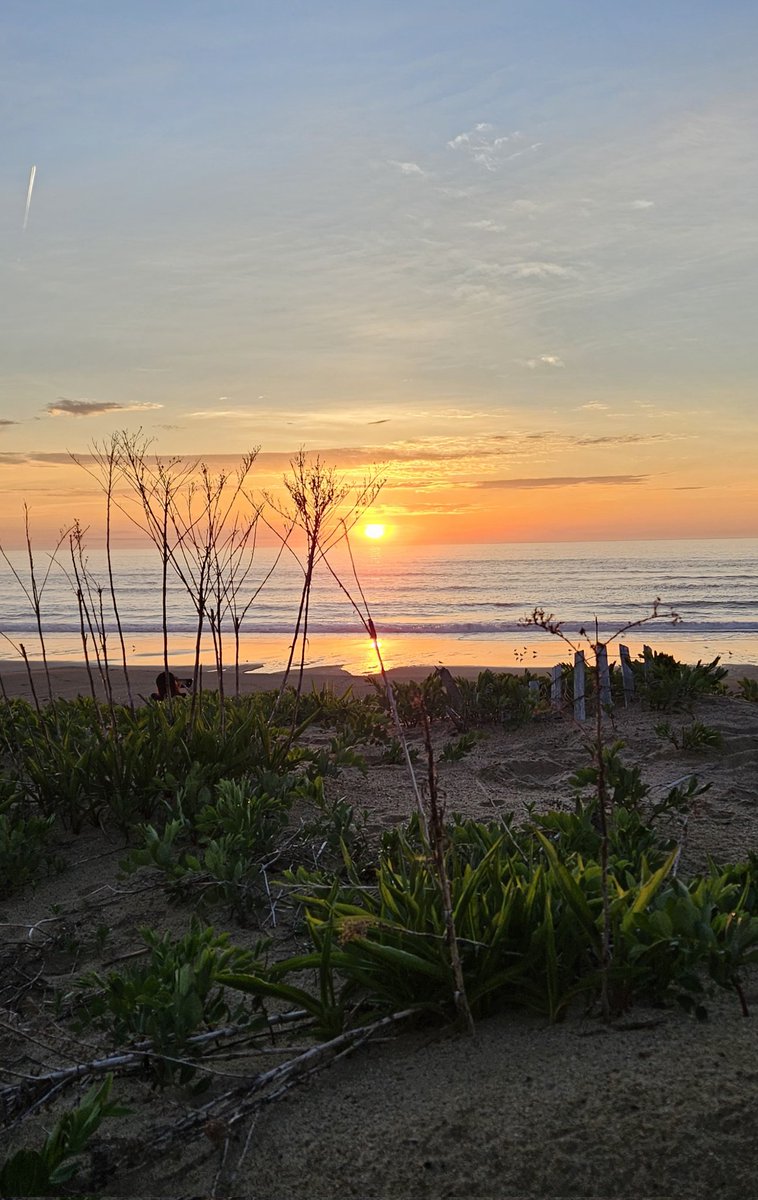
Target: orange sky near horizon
(426,500)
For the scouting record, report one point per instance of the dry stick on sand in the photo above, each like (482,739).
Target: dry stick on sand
(19,1100)
(236,1104)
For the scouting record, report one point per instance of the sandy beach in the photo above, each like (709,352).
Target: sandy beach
(657,1105)
(72,679)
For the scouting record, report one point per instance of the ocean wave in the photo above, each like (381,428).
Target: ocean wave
(451,628)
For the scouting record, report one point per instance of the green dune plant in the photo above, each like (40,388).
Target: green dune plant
(665,684)
(52,1169)
(456,750)
(498,698)
(529,920)
(25,840)
(218,855)
(169,997)
(414,697)
(747,689)
(81,768)
(695,737)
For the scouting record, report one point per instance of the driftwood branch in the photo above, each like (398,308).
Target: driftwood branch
(224,1113)
(19,1100)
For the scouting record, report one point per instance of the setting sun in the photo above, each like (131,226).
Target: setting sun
(374,531)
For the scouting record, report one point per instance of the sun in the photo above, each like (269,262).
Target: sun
(374,531)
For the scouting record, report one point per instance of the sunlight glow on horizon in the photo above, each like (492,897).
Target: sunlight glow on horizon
(374,531)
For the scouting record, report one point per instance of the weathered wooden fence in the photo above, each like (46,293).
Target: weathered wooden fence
(601,670)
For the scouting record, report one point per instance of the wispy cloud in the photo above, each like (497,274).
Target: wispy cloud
(537,270)
(405,168)
(561,481)
(642,204)
(490,149)
(625,439)
(93,408)
(543,360)
(487,226)
(9,459)
(3,423)
(316,418)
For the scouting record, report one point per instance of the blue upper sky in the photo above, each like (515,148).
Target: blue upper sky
(358,225)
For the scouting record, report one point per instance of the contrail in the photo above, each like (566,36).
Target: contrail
(29,191)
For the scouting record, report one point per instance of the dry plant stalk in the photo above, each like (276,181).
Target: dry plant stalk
(34,592)
(543,620)
(156,487)
(318,497)
(437,845)
(105,469)
(431,816)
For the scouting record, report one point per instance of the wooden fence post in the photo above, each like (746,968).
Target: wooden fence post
(580,708)
(605,698)
(556,686)
(627,674)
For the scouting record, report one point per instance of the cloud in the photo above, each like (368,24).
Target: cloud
(529,207)
(476,135)
(524,270)
(561,481)
(594,406)
(93,408)
(3,423)
(432,510)
(488,226)
(545,360)
(314,418)
(625,439)
(538,270)
(642,204)
(490,150)
(405,168)
(214,414)
(23,458)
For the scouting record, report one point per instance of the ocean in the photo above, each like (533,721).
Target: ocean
(430,604)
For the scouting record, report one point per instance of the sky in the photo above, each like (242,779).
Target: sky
(504,251)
